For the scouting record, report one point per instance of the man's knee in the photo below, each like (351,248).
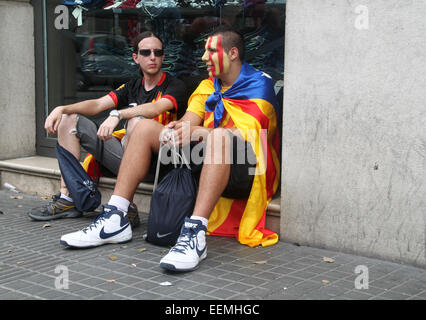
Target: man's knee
(68,124)
(131,124)
(146,129)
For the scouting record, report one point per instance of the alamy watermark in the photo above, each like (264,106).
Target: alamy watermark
(238,150)
(62,280)
(62,19)
(362,20)
(362,281)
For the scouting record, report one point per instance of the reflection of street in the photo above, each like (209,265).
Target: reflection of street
(104,60)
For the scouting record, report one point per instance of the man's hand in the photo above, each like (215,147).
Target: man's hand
(165,135)
(107,127)
(181,133)
(53,120)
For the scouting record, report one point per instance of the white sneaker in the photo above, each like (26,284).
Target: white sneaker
(110,226)
(190,248)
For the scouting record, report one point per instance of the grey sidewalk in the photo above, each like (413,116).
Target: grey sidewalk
(32,261)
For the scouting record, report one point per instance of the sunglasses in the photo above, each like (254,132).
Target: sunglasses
(147,52)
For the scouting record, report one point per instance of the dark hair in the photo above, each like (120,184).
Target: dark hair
(231,38)
(143,35)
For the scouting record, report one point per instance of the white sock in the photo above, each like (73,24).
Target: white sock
(66,198)
(202,219)
(121,203)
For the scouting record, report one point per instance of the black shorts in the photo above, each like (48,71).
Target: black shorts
(243,164)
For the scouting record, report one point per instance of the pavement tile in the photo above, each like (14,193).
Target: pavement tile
(17,284)
(232,276)
(255,281)
(147,285)
(393,295)
(258,293)
(165,290)
(14,295)
(303,274)
(328,291)
(283,295)
(202,288)
(128,291)
(219,282)
(184,294)
(241,296)
(268,276)
(248,272)
(90,293)
(76,287)
(350,285)
(110,296)
(148,296)
(34,290)
(357,295)
(3,290)
(92,281)
(411,287)
(382,284)
(339,275)
(375,298)
(129,280)
(109,286)
(222,294)
(215,272)
(238,287)
(40,279)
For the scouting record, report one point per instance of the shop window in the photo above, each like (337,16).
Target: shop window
(86,45)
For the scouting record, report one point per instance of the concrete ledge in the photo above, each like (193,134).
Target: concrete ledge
(41,175)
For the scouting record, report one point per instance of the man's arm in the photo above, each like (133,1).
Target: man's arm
(87,108)
(148,110)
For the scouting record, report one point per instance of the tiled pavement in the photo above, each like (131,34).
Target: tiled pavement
(32,262)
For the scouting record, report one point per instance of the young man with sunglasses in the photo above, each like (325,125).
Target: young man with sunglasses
(155,95)
(233,112)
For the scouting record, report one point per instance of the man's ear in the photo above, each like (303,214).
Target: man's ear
(135,58)
(233,54)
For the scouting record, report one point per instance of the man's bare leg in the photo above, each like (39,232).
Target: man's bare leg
(191,246)
(215,173)
(131,124)
(136,160)
(67,139)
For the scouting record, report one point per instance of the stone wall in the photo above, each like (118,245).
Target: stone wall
(354,143)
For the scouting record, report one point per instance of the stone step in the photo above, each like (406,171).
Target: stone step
(40,176)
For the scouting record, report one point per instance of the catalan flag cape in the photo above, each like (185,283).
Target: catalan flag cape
(249,105)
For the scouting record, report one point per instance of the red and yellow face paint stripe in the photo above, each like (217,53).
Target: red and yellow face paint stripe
(216,57)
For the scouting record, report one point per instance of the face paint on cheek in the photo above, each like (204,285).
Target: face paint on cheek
(218,59)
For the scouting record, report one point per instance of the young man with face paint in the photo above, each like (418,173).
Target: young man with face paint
(231,201)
